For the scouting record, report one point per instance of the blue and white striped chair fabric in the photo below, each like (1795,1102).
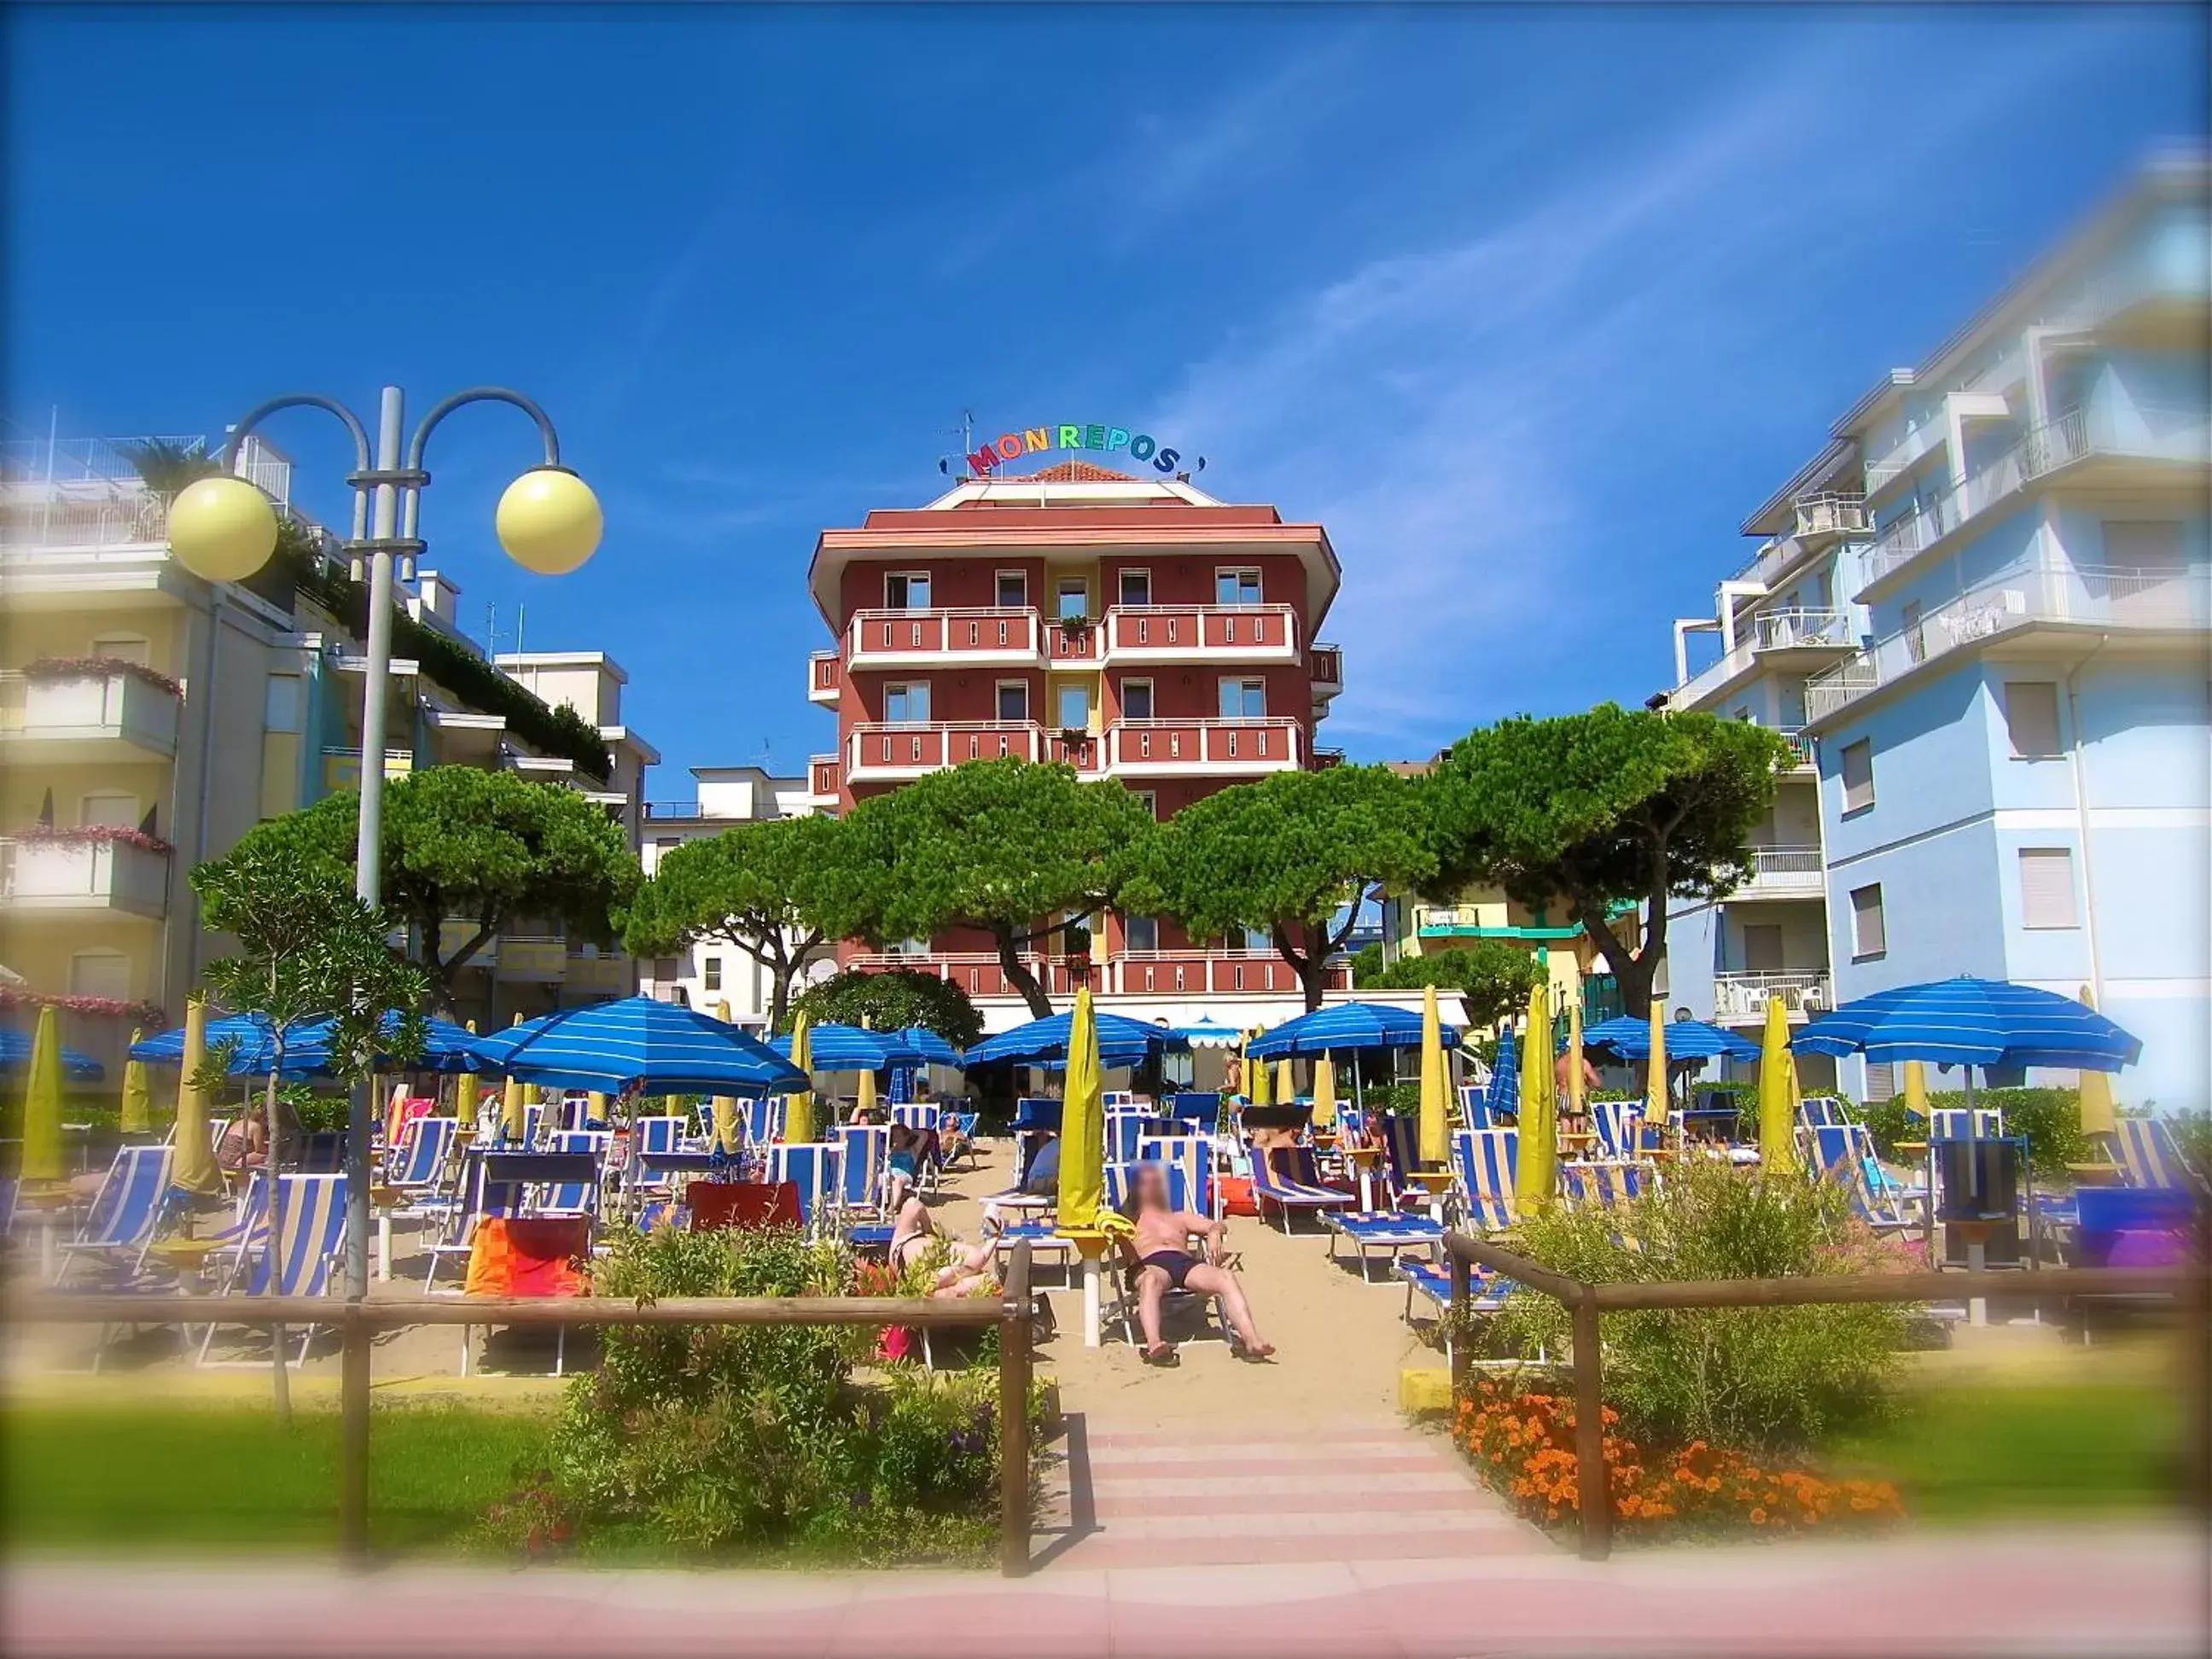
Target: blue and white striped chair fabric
(1123,1131)
(418,1162)
(1487,1292)
(1845,1154)
(1602,1183)
(1485,1161)
(924,1114)
(1285,1176)
(763,1120)
(309,1237)
(573,1197)
(862,1169)
(1957,1123)
(2150,1159)
(479,1196)
(1620,1125)
(1193,1156)
(812,1166)
(1821,1112)
(124,1213)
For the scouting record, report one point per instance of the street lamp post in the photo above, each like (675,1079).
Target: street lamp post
(224,529)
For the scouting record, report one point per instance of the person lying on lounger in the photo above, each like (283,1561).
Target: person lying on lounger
(967,1267)
(1161,1246)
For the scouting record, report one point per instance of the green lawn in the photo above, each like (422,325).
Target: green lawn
(1970,1452)
(85,1477)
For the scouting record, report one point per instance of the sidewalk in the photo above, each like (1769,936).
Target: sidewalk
(2113,1590)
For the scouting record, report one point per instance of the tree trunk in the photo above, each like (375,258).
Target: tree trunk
(1310,964)
(271,1170)
(1633,973)
(1018,975)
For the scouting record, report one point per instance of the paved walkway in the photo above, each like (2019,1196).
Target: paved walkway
(2126,1591)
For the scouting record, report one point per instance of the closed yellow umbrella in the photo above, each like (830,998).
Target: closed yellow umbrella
(1435,1133)
(1534,1182)
(1286,1081)
(1778,1094)
(191,1164)
(2098,1116)
(864,1097)
(1916,1087)
(798,1113)
(725,1106)
(1324,1110)
(1655,1071)
(1082,1123)
(595,1110)
(1259,1079)
(42,1104)
(137,1093)
(513,1113)
(465,1090)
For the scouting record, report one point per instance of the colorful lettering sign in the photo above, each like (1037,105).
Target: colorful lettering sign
(1042,440)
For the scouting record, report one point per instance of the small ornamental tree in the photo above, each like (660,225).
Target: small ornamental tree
(1490,977)
(777,889)
(1297,855)
(490,847)
(1608,806)
(892,1000)
(1020,852)
(308,949)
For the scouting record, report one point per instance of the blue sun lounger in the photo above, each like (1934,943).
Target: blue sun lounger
(125,1214)
(1285,1177)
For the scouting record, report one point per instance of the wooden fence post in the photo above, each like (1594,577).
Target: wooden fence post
(1014,1419)
(1593,1500)
(1457,1332)
(353,1436)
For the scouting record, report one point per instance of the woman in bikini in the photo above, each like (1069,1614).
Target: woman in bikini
(970,1266)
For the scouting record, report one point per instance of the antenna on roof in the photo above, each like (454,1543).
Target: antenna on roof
(967,431)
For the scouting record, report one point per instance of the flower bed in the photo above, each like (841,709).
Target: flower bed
(82,835)
(1524,1445)
(148,1014)
(100,668)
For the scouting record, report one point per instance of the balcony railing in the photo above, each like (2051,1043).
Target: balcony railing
(883,751)
(1168,633)
(895,638)
(122,517)
(84,713)
(826,777)
(1786,871)
(342,767)
(1744,995)
(822,677)
(1192,970)
(1326,663)
(69,878)
(2027,594)
(1801,745)
(1261,743)
(1793,629)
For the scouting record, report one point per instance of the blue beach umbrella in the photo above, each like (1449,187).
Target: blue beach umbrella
(77,1066)
(1121,1041)
(1209,1033)
(1629,1038)
(917,1045)
(637,1043)
(840,1048)
(1972,1022)
(252,1044)
(1346,1026)
(1505,1095)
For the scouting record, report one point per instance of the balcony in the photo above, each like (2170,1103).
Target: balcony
(72,879)
(93,713)
(978,638)
(531,958)
(1173,747)
(1800,747)
(1466,921)
(1789,636)
(2118,445)
(2026,596)
(1181,633)
(117,516)
(608,974)
(1741,999)
(342,767)
(1326,664)
(1192,972)
(824,678)
(887,752)
(1818,522)
(1785,872)
(825,779)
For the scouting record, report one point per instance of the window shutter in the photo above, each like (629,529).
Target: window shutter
(1870,937)
(2046,888)
(2032,718)
(1858,774)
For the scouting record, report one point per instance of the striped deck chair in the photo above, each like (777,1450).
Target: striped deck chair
(918,1114)
(1389,1233)
(1485,1161)
(2149,1158)
(125,1214)
(1401,1156)
(1431,1280)
(1957,1123)
(573,1197)
(1844,1154)
(1474,1106)
(811,1166)
(1192,1157)
(860,1169)
(1123,1131)
(763,1121)
(1285,1177)
(1620,1125)
(417,1163)
(1602,1183)
(1119,1188)
(309,1242)
(479,1196)
(659,1136)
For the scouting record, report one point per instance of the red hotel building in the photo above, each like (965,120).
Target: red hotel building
(1134,628)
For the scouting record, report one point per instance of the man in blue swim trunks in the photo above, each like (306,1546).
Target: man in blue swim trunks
(1161,1244)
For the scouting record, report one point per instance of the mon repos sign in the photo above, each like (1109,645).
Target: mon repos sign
(1046,439)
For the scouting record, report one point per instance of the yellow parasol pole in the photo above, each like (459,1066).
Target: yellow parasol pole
(2099,1116)
(1538,1175)
(798,1114)
(1435,1146)
(1083,1153)
(1324,1111)
(1778,1094)
(137,1093)
(192,1165)
(42,1103)
(1655,1071)
(595,1110)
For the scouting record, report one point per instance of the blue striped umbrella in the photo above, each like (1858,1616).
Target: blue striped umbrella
(637,1043)
(1210,1033)
(1629,1038)
(840,1048)
(1505,1076)
(253,1049)
(77,1065)
(917,1045)
(1121,1041)
(1346,1026)
(445,1047)
(1972,1022)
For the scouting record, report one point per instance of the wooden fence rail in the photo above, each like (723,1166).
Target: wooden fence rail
(357,1323)
(1585,1301)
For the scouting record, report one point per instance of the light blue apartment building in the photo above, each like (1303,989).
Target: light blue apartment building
(2011,734)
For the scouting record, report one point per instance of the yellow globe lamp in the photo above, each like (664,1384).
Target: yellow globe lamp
(222,528)
(549,521)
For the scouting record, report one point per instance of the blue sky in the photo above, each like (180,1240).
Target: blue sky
(1529,307)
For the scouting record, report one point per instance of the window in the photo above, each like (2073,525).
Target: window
(1762,947)
(1257,941)
(100,974)
(1072,600)
(1144,933)
(282,708)
(1236,587)
(1013,700)
(2046,888)
(1244,700)
(1013,590)
(907,702)
(1881,1080)
(108,808)
(1858,776)
(1074,707)
(1150,800)
(1136,587)
(132,647)
(2030,708)
(710,973)
(1136,700)
(906,590)
(1869,936)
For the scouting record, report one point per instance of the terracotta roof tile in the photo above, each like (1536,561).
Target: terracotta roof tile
(1078,472)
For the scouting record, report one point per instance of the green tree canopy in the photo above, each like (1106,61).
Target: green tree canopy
(894,999)
(1296,854)
(1490,977)
(1018,851)
(1608,806)
(490,848)
(778,888)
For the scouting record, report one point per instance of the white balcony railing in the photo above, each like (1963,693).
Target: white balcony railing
(1794,630)
(92,708)
(2022,595)
(1744,995)
(73,876)
(1784,871)
(116,518)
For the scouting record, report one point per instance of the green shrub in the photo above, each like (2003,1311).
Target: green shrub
(1770,1380)
(2051,1119)
(2192,1137)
